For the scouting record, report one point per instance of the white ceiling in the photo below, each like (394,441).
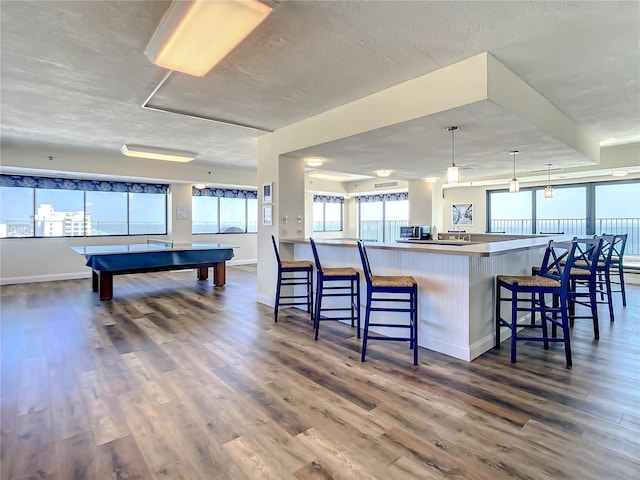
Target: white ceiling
(74,74)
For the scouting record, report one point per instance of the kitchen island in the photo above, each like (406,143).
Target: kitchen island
(456,281)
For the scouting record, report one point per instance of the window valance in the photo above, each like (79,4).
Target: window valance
(387,197)
(85,185)
(224,193)
(328,199)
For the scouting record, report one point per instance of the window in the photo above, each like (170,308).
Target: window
(381,216)
(327,213)
(510,212)
(576,210)
(56,207)
(219,210)
(565,213)
(147,214)
(233,215)
(106,213)
(16,220)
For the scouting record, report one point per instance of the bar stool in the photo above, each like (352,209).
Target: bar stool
(553,280)
(350,287)
(583,286)
(603,270)
(615,265)
(393,289)
(293,267)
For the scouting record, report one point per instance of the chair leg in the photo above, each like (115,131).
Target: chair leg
(565,330)
(497,339)
(316,322)
(607,279)
(275,308)
(414,323)
(624,295)
(352,295)
(366,326)
(514,325)
(358,307)
(310,294)
(594,309)
(543,319)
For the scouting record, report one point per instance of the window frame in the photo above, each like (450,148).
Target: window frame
(324,201)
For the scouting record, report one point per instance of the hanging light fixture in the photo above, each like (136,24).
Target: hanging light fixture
(548,191)
(452,172)
(514,184)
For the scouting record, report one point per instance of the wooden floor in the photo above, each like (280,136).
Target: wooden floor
(173,379)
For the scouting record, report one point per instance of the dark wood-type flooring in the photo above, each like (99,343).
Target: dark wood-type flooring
(175,379)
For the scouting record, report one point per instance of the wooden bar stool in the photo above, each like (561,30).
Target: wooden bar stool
(349,279)
(287,277)
(552,280)
(390,289)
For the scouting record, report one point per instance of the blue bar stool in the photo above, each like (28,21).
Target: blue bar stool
(349,279)
(392,289)
(615,265)
(553,280)
(287,277)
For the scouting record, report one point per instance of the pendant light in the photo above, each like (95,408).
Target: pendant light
(548,191)
(452,172)
(514,184)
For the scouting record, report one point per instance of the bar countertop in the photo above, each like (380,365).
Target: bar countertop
(446,247)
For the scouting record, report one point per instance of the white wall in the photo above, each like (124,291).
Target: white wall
(43,259)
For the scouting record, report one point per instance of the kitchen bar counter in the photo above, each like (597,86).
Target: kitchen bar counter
(456,282)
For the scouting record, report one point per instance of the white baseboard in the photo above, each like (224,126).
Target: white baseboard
(266,300)
(247,261)
(54,277)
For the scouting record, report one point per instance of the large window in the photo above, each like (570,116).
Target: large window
(381,216)
(327,213)
(580,209)
(55,207)
(565,213)
(219,210)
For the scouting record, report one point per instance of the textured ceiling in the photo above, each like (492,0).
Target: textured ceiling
(74,73)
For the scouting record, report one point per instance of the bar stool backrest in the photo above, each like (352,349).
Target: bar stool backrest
(588,253)
(558,261)
(618,246)
(315,255)
(608,249)
(365,261)
(275,249)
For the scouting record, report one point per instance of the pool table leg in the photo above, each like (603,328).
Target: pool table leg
(105,284)
(220,274)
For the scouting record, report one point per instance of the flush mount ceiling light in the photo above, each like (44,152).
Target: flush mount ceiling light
(383,173)
(194,36)
(154,153)
(431,179)
(314,162)
(620,173)
(514,184)
(453,175)
(200,186)
(548,191)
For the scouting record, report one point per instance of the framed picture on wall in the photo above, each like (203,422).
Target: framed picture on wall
(267,216)
(462,214)
(267,192)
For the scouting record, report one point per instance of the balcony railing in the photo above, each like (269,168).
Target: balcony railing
(577,227)
(379,231)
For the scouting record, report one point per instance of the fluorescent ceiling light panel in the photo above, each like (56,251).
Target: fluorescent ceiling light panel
(155,153)
(194,36)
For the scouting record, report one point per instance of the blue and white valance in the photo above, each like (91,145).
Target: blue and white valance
(74,184)
(224,193)
(386,197)
(328,199)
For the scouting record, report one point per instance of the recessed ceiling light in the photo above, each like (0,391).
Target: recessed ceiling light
(383,173)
